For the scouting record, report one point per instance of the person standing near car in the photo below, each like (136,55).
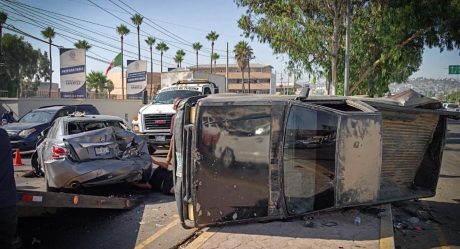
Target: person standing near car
(171,144)
(8,215)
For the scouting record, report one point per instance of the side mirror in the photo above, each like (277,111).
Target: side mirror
(144,97)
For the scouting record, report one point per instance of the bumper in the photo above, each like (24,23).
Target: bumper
(68,174)
(23,145)
(157,138)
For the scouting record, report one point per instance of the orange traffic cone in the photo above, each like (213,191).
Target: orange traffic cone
(17,158)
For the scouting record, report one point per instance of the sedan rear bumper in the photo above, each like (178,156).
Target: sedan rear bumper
(68,174)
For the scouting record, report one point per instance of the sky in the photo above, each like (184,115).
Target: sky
(177,23)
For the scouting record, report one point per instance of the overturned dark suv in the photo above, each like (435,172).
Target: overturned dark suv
(274,157)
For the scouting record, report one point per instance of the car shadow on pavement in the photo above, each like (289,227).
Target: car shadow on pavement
(427,224)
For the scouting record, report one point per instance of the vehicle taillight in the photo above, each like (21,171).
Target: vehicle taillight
(59,152)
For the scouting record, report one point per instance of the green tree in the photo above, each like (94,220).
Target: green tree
(109,86)
(49,34)
(3,17)
(243,52)
(179,57)
(82,44)
(212,37)
(215,57)
(137,21)
(388,37)
(24,66)
(97,81)
(122,30)
(162,47)
(150,41)
(197,47)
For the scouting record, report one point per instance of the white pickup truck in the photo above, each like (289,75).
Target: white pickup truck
(153,121)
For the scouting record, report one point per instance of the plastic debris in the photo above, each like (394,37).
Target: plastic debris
(357,221)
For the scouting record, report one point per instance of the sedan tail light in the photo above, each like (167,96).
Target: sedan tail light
(59,152)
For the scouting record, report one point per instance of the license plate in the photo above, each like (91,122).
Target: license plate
(101,151)
(160,138)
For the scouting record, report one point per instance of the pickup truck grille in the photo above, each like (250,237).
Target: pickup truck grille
(157,121)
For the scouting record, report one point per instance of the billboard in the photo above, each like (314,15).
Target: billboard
(73,73)
(136,78)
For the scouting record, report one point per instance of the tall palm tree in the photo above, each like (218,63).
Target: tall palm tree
(3,17)
(243,53)
(197,46)
(180,54)
(49,34)
(137,21)
(162,47)
(122,30)
(212,37)
(215,57)
(150,41)
(82,44)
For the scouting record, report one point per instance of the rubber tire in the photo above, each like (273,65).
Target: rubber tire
(227,158)
(36,165)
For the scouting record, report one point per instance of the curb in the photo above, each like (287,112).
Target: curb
(386,229)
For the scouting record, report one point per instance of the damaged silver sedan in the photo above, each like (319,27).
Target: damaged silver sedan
(241,158)
(94,150)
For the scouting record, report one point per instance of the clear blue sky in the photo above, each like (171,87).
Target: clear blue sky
(178,23)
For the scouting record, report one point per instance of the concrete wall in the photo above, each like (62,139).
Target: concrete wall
(125,109)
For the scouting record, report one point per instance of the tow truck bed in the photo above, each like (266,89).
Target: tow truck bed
(31,192)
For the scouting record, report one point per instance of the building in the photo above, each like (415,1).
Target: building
(262,79)
(153,80)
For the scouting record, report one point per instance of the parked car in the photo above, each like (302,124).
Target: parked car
(91,150)
(25,132)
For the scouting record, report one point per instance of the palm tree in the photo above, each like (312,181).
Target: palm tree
(3,17)
(109,86)
(243,53)
(197,46)
(82,44)
(137,21)
(162,47)
(212,36)
(150,41)
(180,54)
(122,30)
(49,34)
(97,81)
(215,57)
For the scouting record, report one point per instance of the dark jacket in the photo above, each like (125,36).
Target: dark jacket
(7,183)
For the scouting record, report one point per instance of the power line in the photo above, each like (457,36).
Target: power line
(74,32)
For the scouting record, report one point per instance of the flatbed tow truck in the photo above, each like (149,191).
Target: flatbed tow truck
(31,192)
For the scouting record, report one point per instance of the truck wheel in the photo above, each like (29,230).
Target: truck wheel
(227,158)
(35,165)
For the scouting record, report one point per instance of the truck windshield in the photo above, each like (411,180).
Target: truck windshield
(169,96)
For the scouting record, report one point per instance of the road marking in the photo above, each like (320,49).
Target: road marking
(158,233)
(201,239)
(386,229)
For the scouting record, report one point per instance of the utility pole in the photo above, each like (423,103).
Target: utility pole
(226,72)
(281,80)
(347,50)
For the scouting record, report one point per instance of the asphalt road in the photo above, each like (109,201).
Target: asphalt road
(152,224)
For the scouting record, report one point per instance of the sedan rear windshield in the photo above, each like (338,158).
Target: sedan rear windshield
(84,126)
(169,96)
(38,117)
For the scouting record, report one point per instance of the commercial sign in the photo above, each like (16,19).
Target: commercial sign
(454,69)
(136,78)
(73,73)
